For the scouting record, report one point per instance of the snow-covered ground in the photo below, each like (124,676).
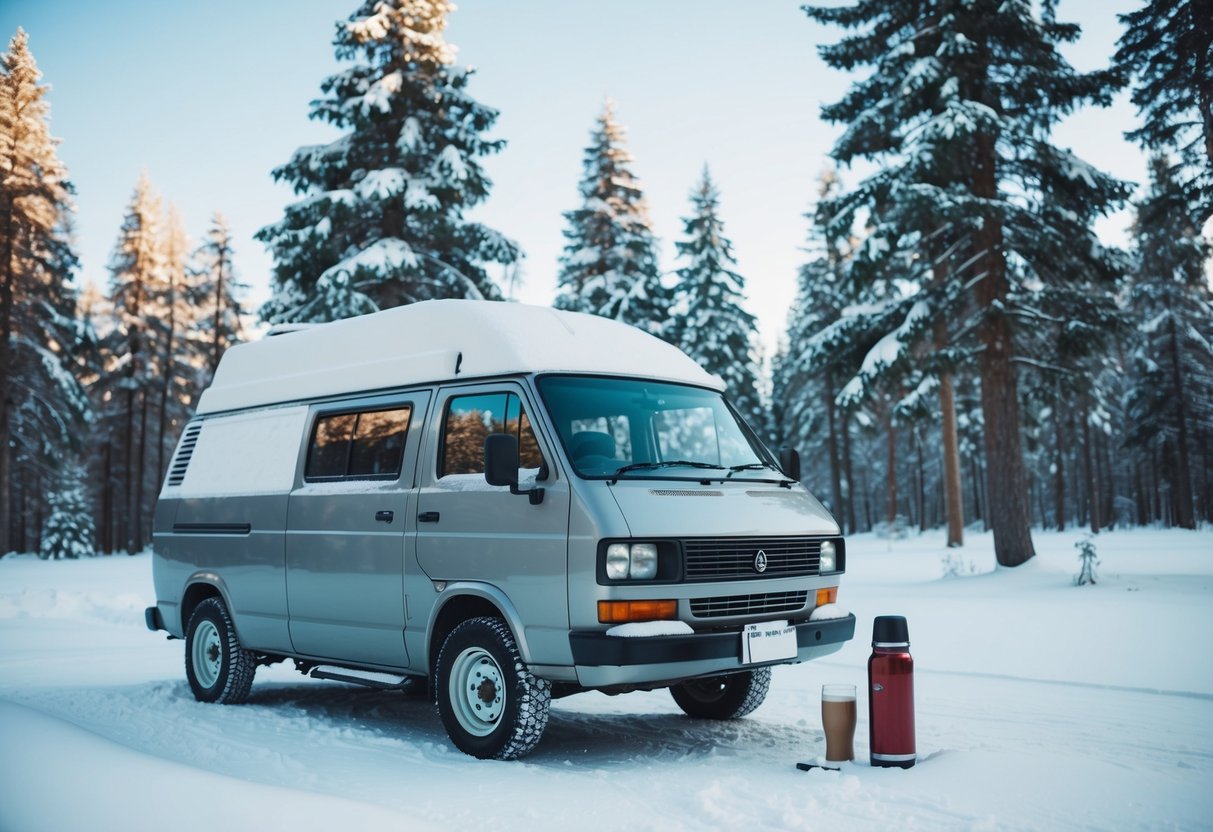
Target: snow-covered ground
(1040,705)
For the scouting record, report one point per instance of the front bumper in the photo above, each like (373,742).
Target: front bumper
(603,660)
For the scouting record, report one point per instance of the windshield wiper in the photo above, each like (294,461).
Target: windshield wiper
(749,466)
(669,463)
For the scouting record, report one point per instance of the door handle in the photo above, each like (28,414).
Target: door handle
(385,516)
(427,517)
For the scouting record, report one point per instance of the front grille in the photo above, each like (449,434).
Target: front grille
(765,603)
(717,558)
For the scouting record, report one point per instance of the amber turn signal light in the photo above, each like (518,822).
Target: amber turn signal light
(622,612)
(827,596)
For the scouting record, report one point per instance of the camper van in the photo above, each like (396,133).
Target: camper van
(497,504)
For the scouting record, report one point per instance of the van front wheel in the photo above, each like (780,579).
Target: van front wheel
(723,697)
(217,667)
(491,705)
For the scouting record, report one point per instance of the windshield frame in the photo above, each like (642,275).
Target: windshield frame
(774,474)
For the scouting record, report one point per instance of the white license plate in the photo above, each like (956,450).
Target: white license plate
(769,641)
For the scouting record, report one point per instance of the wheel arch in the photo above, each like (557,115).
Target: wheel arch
(197,589)
(462,601)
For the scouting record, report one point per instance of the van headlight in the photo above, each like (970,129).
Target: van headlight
(644,561)
(637,561)
(829,557)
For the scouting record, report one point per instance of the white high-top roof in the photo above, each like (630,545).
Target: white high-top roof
(423,342)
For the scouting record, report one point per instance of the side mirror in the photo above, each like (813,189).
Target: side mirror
(501,461)
(789,461)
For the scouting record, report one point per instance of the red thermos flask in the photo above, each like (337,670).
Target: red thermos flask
(891,694)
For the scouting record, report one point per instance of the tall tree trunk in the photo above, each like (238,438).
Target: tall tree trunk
(1006,480)
(852,526)
(951,462)
(922,483)
(128,485)
(832,448)
(8,280)
(891,487)
(1092,486)
(975,478)
(1059,469)
(140,479)
(1139,494)
(168,370)
(107,501)
(1183,480)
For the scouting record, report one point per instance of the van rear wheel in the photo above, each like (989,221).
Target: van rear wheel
(723,697)
(216,666)
(491,705)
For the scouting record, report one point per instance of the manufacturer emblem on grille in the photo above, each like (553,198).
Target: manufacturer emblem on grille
(760,562)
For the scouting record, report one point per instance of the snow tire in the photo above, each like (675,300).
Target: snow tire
(723,697)
(478,667)
(216,666)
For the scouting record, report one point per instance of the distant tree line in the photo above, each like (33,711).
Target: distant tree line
(962,349)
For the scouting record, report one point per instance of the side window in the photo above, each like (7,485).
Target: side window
(362,445)
(470,419)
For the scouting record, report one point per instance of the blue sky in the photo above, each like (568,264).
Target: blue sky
(209,97)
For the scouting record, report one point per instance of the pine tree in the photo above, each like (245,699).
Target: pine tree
(217,292)
(979,84)
(68,531)
(1171,402)
(1168,46)
(709,323)
(42,406)
(821,353)
(609,266)
(130,380)
(382,220)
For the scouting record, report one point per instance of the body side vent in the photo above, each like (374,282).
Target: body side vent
(185,452)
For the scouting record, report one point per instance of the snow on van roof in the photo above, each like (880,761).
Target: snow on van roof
(434,341)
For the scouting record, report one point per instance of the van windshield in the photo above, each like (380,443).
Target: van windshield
(617,427)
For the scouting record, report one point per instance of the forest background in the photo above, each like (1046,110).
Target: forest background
(985,327)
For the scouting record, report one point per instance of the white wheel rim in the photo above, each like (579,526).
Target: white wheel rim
(207,652)
(477,691)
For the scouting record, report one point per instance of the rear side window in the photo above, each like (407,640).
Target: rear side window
(366,445)
(470,419)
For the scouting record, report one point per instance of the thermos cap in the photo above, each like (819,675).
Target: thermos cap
(890,631)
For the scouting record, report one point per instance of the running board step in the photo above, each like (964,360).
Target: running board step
(370,678)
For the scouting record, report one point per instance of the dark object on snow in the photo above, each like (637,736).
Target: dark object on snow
(1086,554)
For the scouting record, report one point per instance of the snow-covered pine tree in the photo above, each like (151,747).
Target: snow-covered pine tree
(708,320)
(126,389)
(1168,47)
(179,357)
(984,79)
(381,222)
(42,406)
(822,352)
(217,292)
(1171,400)
(609,265)
(68,531)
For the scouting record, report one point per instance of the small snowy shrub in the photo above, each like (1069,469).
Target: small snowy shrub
(955,565)
(899,529)
(68,531)
(1086,554)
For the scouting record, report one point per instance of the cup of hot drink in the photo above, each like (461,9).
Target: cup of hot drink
(838,719)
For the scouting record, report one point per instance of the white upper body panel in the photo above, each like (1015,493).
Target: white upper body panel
(438,340)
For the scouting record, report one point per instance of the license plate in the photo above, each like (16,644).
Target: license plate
(769,641)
